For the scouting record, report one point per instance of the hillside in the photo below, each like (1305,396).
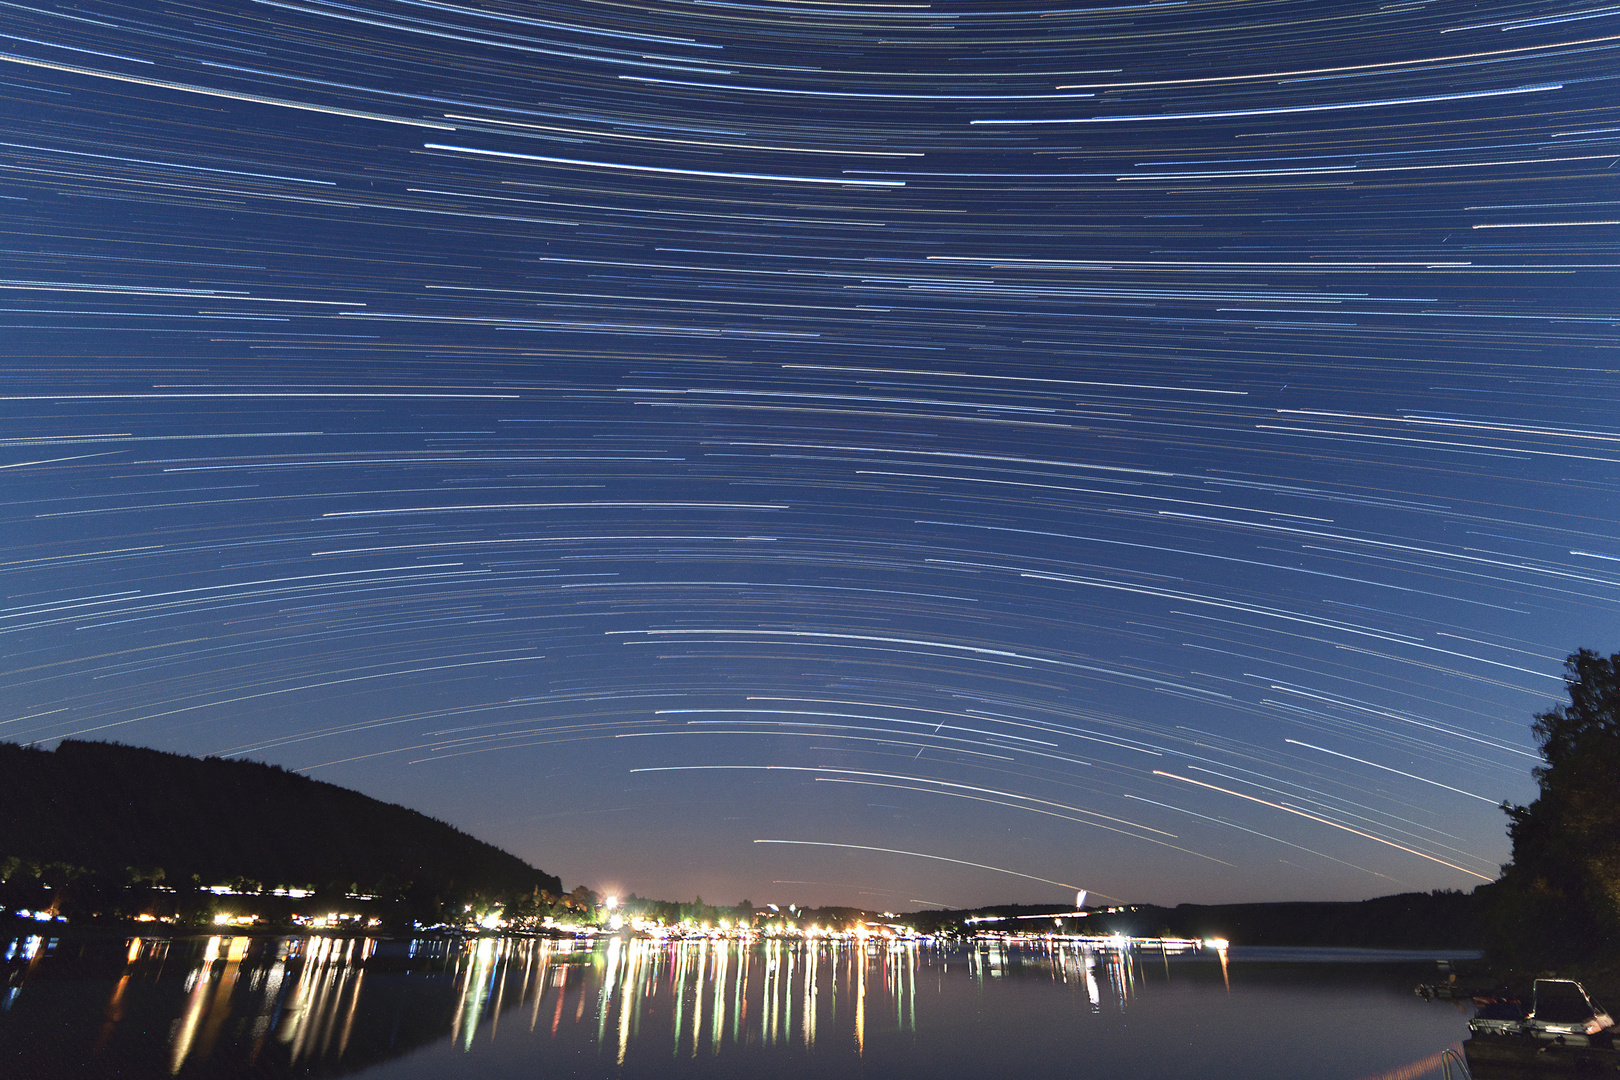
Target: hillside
(106,807)
(1437,920)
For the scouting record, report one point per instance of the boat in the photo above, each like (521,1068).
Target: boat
(1445,991)
(1563,1032)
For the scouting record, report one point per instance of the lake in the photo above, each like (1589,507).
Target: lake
(519,1007)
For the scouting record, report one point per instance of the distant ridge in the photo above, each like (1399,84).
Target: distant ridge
(1432,920)
(106,807)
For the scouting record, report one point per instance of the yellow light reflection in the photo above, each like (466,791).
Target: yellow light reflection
(858,958)
(474,993)
(811,962)
(201,982)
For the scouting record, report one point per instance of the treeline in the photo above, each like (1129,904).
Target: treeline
(1557,904)
(110,827)
(741,914)
(1435,920)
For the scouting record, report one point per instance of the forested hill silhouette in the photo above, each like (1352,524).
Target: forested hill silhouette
(107,808)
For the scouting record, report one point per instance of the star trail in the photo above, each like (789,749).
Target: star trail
(983,452)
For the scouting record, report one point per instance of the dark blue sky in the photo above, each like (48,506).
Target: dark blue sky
(1165,449)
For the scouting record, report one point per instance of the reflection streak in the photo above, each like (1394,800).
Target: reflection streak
(791,994)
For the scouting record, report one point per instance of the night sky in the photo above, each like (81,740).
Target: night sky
(858,453)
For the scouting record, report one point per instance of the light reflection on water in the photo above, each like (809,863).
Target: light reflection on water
(229,1006)
(697,995)
(313,1018)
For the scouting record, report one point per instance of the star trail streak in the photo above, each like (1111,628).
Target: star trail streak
(1169,446)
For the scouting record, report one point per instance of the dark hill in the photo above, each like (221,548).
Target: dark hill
(107,807)
(1436,920)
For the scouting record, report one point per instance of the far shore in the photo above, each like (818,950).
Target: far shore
(1464,967)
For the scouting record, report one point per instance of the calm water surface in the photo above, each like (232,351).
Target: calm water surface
(496,1008)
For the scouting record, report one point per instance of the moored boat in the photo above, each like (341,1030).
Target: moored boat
(1564,1031)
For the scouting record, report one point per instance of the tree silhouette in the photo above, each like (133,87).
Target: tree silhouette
(1559,899)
